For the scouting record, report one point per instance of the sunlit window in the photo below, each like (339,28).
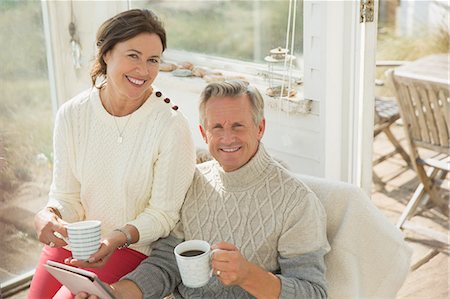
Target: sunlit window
(241,30)
(25,134)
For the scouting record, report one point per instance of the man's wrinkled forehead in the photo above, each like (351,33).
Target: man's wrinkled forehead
(226,109)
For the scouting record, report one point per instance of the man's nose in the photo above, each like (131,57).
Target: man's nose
(228,136)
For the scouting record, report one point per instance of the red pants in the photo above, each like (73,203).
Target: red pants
(45,286)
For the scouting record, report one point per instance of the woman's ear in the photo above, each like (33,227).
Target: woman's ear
(106,57)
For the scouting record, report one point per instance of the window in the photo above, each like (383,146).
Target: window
(25,134)
(243,31)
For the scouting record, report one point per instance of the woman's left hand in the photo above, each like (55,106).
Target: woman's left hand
(98,259)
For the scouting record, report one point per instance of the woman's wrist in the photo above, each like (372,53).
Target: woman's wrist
(54,211)
(125,236)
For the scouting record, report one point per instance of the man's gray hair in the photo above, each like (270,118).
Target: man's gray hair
(233,89)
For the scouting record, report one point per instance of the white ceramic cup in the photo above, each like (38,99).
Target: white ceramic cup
(84,238)
(195,270)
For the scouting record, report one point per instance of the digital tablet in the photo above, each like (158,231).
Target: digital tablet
(79,280)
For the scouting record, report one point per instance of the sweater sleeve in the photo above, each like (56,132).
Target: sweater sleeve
(302,247)
(158,276)
(65,188)
(173,172)
(303,276)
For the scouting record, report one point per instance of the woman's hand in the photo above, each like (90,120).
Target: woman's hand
(48,224)
(98,259)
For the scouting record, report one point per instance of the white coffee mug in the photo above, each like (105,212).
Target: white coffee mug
(84,238)
(194,262)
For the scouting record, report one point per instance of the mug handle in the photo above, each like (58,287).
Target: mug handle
(210,260)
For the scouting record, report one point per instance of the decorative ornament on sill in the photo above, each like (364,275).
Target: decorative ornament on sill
(284,91)
(74,41)
(276,61)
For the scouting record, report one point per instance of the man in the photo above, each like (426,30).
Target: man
(270,228)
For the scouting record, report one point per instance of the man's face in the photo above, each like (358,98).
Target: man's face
(230,131)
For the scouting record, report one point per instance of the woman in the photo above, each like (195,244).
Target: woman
(122,155)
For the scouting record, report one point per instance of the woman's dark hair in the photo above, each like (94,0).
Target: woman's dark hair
(120,28)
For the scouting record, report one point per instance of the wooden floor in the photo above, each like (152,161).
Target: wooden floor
(430,262)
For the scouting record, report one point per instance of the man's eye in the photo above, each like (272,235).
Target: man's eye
(216,128)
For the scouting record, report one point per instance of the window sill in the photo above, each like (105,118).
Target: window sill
(254,73)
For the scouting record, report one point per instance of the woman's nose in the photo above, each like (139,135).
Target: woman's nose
(143,68)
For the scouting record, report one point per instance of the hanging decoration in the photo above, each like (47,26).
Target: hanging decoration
(277,84)
(282,86)
(74,40)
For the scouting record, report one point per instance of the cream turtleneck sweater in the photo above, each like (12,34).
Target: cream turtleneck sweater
(141,181)
(276,221)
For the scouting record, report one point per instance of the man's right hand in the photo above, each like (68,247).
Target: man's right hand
(121,290)
(83,295)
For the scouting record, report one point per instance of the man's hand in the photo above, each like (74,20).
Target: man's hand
(232,268)
(121,290)
(229,265)
(83,295)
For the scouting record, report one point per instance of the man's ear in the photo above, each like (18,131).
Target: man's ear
(202,131)
(261,128)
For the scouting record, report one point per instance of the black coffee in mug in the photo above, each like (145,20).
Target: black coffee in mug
(192,253)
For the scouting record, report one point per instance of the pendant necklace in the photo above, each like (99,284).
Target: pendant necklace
(120,132)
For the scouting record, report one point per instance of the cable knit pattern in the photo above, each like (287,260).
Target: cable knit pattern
(264,211)
(141,181)
(274,219)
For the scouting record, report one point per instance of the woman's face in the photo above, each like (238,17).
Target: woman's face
(133,65)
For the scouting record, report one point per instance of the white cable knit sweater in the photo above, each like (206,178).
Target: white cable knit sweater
(141,181)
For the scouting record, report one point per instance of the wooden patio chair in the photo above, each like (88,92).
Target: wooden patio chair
(425,110)
(386,114)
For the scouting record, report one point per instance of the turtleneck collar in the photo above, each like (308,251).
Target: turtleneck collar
(248,174)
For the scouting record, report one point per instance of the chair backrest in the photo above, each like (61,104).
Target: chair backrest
(368,256)
(425,110)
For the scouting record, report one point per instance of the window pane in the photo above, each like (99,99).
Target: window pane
(242,30)
(25,134)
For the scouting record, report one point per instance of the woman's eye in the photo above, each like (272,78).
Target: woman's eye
(153,60)
(133,55)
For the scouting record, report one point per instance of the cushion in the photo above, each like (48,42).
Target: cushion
(369,257)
